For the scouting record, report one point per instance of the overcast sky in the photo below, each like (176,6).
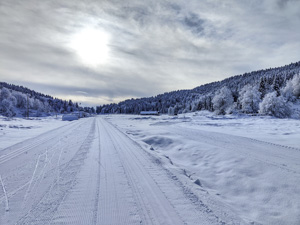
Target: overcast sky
(98,51)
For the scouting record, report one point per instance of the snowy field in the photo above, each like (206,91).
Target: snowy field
(251,164)
(14,130)
(195,168)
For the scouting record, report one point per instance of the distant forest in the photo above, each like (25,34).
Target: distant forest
(21,101)
(273,91)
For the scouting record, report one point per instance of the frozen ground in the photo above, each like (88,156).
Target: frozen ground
(120,169)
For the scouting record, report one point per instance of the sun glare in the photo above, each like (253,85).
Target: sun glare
(91,46)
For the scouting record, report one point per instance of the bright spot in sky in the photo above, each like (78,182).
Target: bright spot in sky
(91,46)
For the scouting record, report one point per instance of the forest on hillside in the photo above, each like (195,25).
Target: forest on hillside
(21,101)
(273,91)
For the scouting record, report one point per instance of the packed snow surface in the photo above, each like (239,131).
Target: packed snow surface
(195,168)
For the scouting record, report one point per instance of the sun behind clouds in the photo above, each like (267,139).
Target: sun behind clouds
(91,46)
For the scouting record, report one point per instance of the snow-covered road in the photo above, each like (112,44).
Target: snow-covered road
(91,172)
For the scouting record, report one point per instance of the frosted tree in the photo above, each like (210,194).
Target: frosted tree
(5,93)
(7,108)
(21,99)
(171,111)
(195,106)
(296,85)
(7,103)
(291,91)
(274,105)
(222,101)
(249,99)
(36,104)
(46,106)
(12,100)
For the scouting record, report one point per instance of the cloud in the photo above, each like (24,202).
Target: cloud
(155,46)
(194,22)
(82,92)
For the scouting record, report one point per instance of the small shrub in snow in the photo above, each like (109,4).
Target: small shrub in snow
(274,105)
(249,99)
(222,101)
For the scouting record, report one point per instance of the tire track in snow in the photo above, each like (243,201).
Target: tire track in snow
(116,200)
(96,204)
(143,204)
(79,206)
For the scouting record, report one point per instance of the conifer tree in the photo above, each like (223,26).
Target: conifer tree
(262,87)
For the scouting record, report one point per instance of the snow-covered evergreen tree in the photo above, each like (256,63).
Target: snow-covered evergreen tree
(262,87)
(276,84)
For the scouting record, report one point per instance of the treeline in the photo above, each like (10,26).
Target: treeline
(273,91)
(21,101)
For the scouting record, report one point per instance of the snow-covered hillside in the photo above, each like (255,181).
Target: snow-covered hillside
(273,91)
(23,102)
